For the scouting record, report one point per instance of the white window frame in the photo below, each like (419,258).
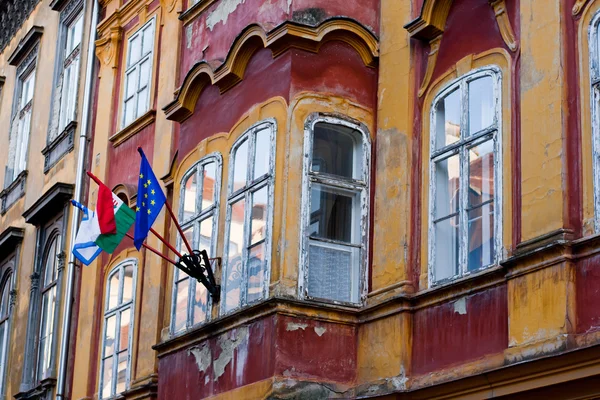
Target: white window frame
(267,180)
(358,184)
(212,211)
(117,311)
(130,68)
(594,54)
(493,132)
(6,283)
(71,63)
(46,288)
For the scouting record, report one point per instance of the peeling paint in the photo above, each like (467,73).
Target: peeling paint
(221,12)
(228,347)
(188,36)
(293,326)
(319,330)
(202,355)
(460,306)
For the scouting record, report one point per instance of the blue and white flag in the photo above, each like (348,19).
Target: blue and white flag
(85,249)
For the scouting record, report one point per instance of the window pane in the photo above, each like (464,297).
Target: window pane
(332,213)
(135,47)
(259,215)
(208,188)
(113,290)
(142,105)
(334,151)
(129,111)
(481,104)
(481,237)
(446,248)
(181,304)
(145,73)
(122,371)
(200,303)
(4,298)
(233,273)
(124,329)
(127,284)
(481,173)
(189,235)
(50,264)
(331,271)
(256,268)
(262,152)
(240,167)
(132,82)
(189,197)
(448,120)
(206,230)
(148,38)
(109,335)
(447,199)
(107,378)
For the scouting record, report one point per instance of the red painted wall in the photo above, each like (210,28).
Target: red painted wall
(443,336)
(587,282)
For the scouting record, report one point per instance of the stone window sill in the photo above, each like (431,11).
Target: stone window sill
(133,128)
(59,147)
(13,192)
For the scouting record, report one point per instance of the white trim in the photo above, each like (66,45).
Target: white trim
(245,193)
(494,132)
(116,311)
(196,220)
(594,57)
(359,186)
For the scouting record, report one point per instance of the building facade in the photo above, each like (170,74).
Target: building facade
(43,64)
(401,199)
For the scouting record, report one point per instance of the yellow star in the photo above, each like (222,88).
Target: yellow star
(137,209)
(149,212)
(146,195)
(152,202)
(141,176)
(146,185)
(152,191)
(143,204)
(149,181)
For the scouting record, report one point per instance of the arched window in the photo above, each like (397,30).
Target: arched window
(49,310)
(335,210)
(247,265)
(594,50)
(199,215)
(465,184)
(117,335)
(5,309)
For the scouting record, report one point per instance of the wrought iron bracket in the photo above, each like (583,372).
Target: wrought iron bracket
(198,266)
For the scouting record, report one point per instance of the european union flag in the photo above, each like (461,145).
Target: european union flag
(150,200)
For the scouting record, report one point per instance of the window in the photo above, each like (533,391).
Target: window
(199,216)
(465,176)
(594,50)
(5,310)
(138,75)
(335,210)
(49,311)
(118,322)
(21,125)
(249,215)
(70,72)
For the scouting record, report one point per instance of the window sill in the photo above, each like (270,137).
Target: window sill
(38,392)
(133,128)
(195,10)
(13,192)
(59,147)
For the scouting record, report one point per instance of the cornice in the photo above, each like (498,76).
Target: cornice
(123,14)
(133,128)
(25,45)
(432,20)
(253,38)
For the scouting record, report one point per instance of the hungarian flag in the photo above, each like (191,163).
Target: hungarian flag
(124,218)
(104,210)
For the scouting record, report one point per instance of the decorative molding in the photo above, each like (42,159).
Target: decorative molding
(13,192)
(432,20)
(578,7)
(127,190)
(10,238)
(108,47)
(61,261)
(35,281)
(61,145)
(169,5)
(49,204)
(283,37)
(12,298)
(13,14)
(26,45)
(506,29)
(434,47)
(133,128)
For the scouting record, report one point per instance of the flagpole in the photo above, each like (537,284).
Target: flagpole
(173,249)
(154,251)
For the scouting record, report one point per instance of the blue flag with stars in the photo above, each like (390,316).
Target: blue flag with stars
(150,200)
